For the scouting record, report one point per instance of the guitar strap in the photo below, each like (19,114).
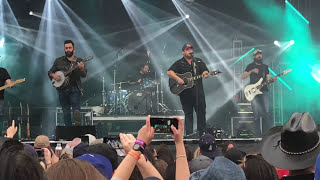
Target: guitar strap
(194,67)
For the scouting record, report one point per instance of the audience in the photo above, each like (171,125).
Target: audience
(161,166)
(107,151)
(234,155)
(223,169)
(255,167)
(227,146)
(73,169)
(165,154)
(101,163)
(295,146)
(208,146)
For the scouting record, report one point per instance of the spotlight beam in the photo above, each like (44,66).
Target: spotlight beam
(282,81)
(241,57)
(297,12)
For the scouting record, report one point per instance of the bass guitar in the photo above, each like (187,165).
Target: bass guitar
(188,79)
(252,90)
(65,76)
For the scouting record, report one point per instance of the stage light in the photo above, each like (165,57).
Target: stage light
(316,72)
(2,42)
(276,43)
(30,13)
(292,42)
(187,16)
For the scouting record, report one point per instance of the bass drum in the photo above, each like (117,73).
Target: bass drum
(139,102)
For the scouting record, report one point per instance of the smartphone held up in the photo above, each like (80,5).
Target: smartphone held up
(163,124)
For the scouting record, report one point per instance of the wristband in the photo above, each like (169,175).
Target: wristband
(141,143)
(181,156)
(134,154)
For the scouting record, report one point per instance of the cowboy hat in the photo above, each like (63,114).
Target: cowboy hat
(294,146)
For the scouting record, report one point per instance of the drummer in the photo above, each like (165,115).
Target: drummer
(136,80)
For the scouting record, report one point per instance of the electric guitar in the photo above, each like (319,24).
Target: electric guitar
(14,82)
(65,76)
(188,79)
(252,90)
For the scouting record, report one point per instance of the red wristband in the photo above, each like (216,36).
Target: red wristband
(134,154)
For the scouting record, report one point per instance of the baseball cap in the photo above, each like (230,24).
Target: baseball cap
(200,162)
(256,51)
(101,163)
(208,146)
(185,46)
(41,141)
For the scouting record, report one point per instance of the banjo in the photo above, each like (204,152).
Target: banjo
(65,76)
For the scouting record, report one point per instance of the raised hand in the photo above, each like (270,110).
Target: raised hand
(12,130)
(178,133)
(146,133)
(127,141)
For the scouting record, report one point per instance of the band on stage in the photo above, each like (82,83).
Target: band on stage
(141,93)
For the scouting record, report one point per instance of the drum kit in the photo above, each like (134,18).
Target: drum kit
(146,98)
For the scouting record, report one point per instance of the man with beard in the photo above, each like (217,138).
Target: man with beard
(193,98)
(260,104)
(140,76)
(69,95)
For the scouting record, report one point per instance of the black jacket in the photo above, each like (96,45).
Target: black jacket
(63,64)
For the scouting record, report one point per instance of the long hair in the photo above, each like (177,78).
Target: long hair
(255,167)
(165,154)
(20,165)
(70,169)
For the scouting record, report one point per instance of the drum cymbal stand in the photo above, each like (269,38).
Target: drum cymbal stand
(161,107)
(114,106)
(122,104)
(103,95)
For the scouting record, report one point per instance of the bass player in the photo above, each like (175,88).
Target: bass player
(193,98)
(69,95)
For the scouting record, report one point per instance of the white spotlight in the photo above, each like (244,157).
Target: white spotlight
(187,16)
(2,42)
(276,43)
(30,13)
(292,42)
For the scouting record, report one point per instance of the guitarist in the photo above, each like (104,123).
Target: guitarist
(4,79)
(69,95)
(193,98)
(260,104)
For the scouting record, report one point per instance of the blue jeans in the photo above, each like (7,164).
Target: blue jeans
(1,115)
(260,107)
(69,97)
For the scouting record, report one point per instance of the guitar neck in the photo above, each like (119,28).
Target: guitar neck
(268,82)
(4,87)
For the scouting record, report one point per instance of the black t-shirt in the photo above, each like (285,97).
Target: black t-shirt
(135,77)
(4,75)
(182,66)
(263,72)
(299,177)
